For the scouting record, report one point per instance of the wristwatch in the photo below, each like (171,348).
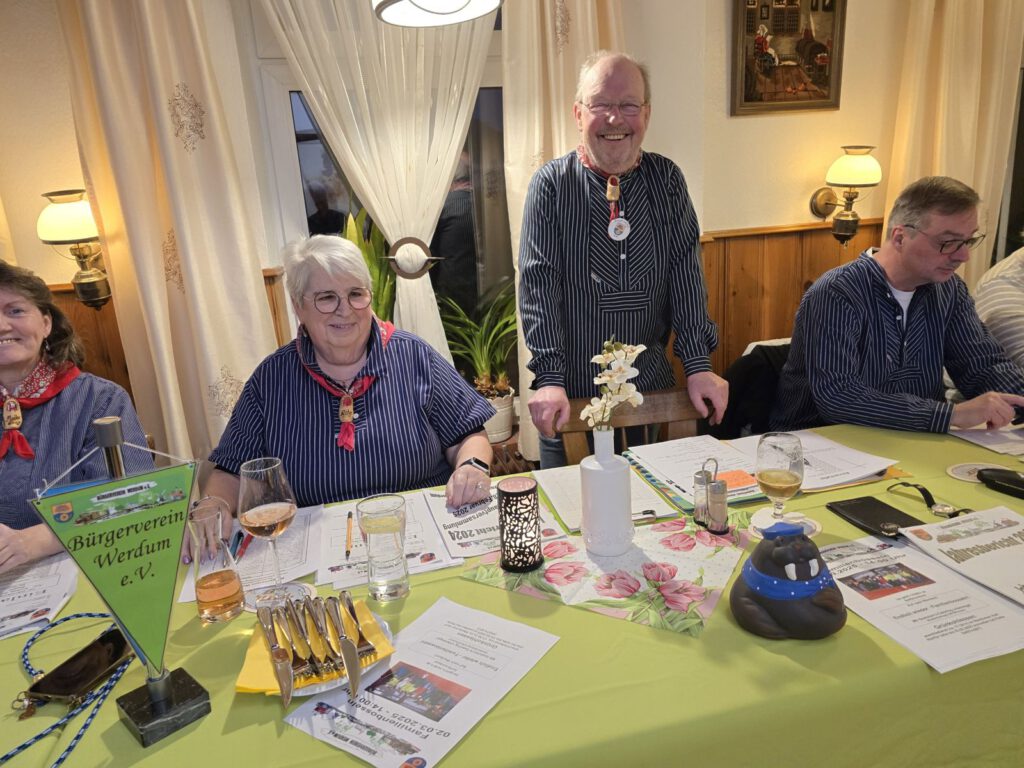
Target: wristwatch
(477,464)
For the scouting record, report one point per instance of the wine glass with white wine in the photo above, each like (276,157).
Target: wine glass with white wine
(780,473)
(266,507)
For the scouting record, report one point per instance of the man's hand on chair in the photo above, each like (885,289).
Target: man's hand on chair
(549,409)
(712,388)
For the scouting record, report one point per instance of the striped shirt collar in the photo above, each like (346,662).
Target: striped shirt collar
(376,359)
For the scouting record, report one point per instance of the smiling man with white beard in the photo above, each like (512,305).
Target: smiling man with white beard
(610,246)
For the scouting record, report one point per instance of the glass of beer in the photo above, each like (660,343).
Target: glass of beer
(266,507)
(780,473)
(219,595)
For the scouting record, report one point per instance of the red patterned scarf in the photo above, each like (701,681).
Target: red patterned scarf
(347,395)
(40,386)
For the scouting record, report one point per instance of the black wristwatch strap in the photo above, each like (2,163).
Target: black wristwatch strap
(478,464)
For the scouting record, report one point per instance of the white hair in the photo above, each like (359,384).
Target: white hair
(335,255)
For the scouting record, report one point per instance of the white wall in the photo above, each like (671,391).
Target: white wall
(760,170)
(38,151)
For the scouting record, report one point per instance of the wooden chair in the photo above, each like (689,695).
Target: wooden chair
(670,408)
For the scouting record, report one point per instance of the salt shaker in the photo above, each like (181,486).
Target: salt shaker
(718,510)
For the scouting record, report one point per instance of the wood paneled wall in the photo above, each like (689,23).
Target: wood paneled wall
(756,278)
(104,352)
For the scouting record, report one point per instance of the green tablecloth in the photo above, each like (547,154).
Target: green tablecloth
(615,693)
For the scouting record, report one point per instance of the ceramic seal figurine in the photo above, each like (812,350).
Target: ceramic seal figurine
(785,589)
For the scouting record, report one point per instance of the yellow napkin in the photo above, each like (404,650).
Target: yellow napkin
(257,675)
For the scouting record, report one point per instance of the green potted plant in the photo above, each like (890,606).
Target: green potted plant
(484,342)
(375,254)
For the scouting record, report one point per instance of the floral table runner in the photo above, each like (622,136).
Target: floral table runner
(671,578)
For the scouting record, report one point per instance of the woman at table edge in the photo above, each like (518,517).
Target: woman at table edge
(352,406)
(49,405)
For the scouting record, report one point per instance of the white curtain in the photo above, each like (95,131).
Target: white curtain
(394,105)
(176,224)
(544,43)
(956,101)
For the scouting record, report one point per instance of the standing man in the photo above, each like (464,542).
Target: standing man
(872,336)
(610,246)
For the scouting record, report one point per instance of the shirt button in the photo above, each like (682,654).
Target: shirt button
(622,256)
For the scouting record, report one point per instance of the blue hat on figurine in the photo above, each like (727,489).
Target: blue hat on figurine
(781,529)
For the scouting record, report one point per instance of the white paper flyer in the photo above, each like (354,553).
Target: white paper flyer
(945,619)
(32,595)
(451,666)
(472,529)
(986,546)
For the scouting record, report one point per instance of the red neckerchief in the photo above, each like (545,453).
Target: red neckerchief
(612,191)
(13,406)
(347,433)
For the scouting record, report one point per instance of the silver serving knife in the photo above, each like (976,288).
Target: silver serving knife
(363,643)
(279,657)
(315,610)
(300,638)
(347,646)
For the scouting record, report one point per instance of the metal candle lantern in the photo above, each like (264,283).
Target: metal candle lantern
(519,524)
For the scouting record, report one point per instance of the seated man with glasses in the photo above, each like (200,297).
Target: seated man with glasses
(353,407)
(872,336)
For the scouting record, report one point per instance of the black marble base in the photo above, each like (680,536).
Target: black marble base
(185,701)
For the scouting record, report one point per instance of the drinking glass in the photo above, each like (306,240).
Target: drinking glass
(780,473)
(219,595)
(382,525)
(266,507)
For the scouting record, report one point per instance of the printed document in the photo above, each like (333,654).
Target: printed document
(945,619)
(986,546)
(675,462)
(451,666)
(827,464)
(1009,440)
(472,529)
(32,595)
(424,550)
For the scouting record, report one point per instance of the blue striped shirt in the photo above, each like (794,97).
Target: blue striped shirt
(417,407)
(578,287)
(60,432)
(1000,299)
(853,362)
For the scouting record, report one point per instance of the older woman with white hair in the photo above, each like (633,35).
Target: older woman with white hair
(353,407)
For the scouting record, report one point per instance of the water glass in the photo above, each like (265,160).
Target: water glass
(382,525)
(219,595)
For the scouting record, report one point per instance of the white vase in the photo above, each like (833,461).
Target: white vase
(607,517)
(499,426)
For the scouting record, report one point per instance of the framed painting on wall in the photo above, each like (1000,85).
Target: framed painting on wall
(787,56)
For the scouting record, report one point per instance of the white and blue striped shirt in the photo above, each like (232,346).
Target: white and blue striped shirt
(853,362)
(417,407)
(578,287)
(1000,300)
(60,433)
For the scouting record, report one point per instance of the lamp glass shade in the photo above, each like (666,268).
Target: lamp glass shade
(856,168)
(431,13)
(67,219)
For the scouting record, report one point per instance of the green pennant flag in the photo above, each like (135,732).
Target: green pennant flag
(125,535)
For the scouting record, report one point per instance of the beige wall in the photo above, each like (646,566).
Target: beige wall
(743,171)
(760,170)
(38,152)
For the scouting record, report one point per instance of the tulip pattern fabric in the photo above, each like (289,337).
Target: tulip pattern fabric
(671,579)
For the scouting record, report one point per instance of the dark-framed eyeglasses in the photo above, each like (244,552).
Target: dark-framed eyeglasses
(327,302)
(947,247)
(626,108)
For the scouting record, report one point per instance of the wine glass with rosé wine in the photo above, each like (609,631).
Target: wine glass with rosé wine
(266,507)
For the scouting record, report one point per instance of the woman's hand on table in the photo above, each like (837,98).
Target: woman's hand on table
(20,546)
(466,485)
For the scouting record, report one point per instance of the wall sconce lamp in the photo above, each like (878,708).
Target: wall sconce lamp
(67,220)
(431,13)
(854,170)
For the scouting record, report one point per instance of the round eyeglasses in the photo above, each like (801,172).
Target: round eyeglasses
(327,302)
(626,109)
(947,247)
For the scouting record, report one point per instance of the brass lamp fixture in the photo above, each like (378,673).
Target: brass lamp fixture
(67,220)
(856,169)
(431,13)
